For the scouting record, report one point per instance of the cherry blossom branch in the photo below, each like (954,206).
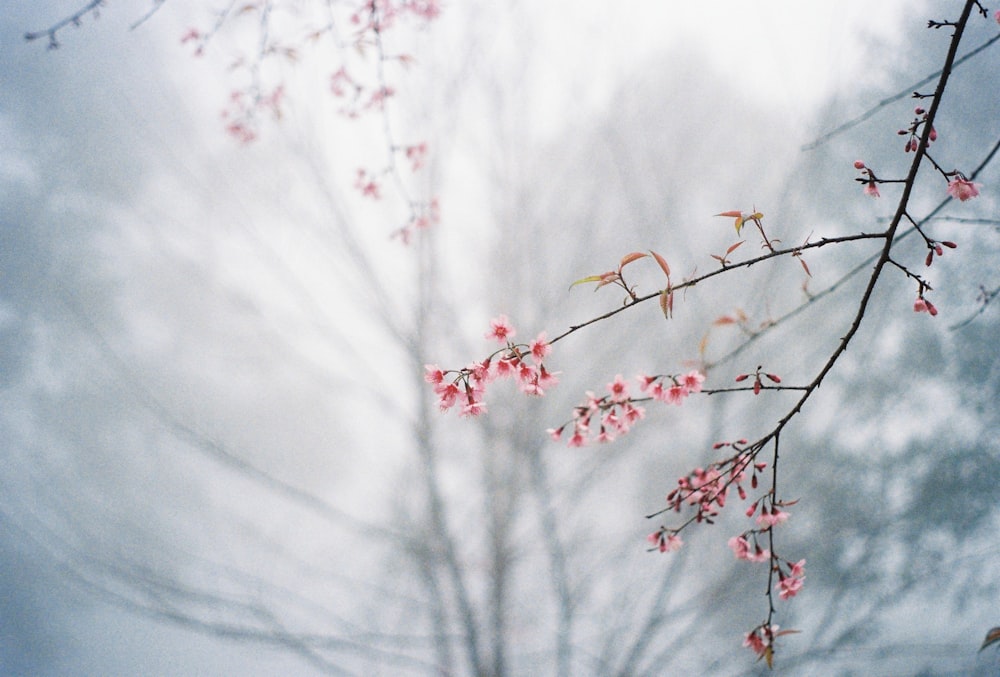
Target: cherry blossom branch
(75,19)
(815,297)
(788,251)
(705,490)
(907,91)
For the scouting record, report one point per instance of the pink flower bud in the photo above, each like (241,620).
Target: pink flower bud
(858,164)
(930,258)
(918,110)
(933,136)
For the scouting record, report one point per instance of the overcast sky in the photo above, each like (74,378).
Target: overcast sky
(201,389)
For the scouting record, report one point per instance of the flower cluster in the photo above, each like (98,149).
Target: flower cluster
(521,362)
(665,540)
(869,179)
(790,582)
(742,549)
(963,189)
(708,488)
(602,419)
(673,391)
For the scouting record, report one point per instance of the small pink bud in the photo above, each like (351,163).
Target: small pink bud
(742,377)
(858,164)
(930,258)
(933,136)
(774,377)
(918,110)
(938,250)
(949,244)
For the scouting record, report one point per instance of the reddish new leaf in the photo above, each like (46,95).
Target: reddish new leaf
(663,264)
(629,258)
(992,637)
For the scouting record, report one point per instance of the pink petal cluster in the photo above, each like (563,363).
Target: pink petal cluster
(708,489)
(368,185)
(922,305)
(665,540)
(602,419)
(500,330)
(673,391)
(963,189)
(772,517)
(790,584)
(742,550)
(521,362)
(760,639)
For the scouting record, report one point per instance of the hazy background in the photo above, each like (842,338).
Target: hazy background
(218,455)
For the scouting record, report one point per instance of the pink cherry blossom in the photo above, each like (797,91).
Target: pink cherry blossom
(772,518)
(618,389)
(604,436)
(540,348)
(871,188)
(922,305)
(760,639)
(756,643)
(546,378)
(447,395)
(676,394)
(739,546)
(433,373)
(665,541)
(963,189)
(692,381)
(500,330)
(997,16)
(505,368)
(789,586)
